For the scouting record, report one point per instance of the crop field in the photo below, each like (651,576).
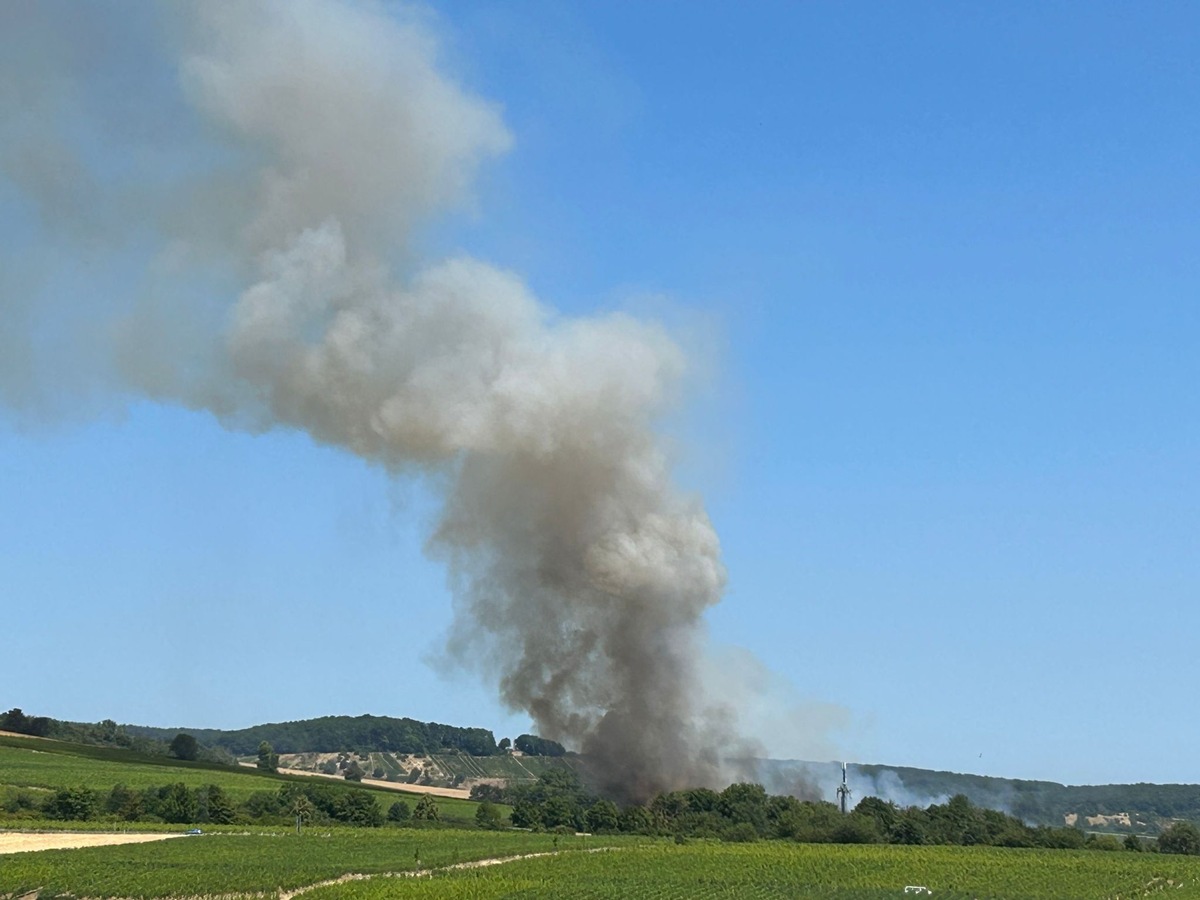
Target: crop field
(766,871)
(259,861)
(513,768)
(42,766)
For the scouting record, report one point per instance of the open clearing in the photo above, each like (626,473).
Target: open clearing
(13,842)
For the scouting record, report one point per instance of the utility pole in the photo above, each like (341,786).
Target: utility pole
(843,791)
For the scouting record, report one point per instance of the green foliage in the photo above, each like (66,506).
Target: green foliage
(268,759)
(491,792)
(173,803)
(427,809)
(357,808)
(602,817)
(488,816)
(636,820)
(532,745)
(184,746)
(740,833)
(1182,837)
(131,787)
(353,771)
(399,812)
(70,804)
(365,733)
(16,720)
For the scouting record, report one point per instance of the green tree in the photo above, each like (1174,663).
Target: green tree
(353,771)
(1182,837)
(1133,843)
(123,802)
(487,815)
(184,746)
(636,820)
(910,827)
(883,812)
(526,814)
(745,803)
(399,812)
(358,808)
(602,817)
(70,803)
(268,759)
(177,804)
(427,809)
(218,808)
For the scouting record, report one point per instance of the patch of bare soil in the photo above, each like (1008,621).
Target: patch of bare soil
(17,842)
(455,793)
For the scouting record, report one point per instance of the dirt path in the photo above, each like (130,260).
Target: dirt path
(16,842)
(426,873)
(454,793)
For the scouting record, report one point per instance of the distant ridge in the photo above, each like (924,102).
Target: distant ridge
(330,733)
(1036,802)
(1115,807)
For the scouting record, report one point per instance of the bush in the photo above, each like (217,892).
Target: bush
(1182,837)
(73,804)
(399,812)
(488,816)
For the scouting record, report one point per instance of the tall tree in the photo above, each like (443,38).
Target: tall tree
(268,759)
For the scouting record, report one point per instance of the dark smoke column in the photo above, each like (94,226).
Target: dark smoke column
(581,576)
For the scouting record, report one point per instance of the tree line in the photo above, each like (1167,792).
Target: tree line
(746,812)
(209,804)
(108,733)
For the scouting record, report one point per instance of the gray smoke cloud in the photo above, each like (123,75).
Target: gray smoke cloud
(279,183)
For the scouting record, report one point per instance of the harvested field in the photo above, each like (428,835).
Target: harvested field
(15,842)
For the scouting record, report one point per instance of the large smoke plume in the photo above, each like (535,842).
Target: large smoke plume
(280,185)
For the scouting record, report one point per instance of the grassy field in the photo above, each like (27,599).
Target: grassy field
(258,861)
(266,862)
(43,765)
(766,871)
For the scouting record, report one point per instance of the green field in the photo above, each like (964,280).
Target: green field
(772,870)
(42,765)
(260,861)
(267,862)
(263,860)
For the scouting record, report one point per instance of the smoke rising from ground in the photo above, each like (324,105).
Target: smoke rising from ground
(275,191)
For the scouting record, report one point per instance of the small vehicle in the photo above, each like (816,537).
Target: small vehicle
(194,831)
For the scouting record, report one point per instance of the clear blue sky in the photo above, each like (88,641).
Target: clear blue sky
(951,445)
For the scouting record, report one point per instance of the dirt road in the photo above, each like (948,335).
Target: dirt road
(454,793)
